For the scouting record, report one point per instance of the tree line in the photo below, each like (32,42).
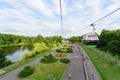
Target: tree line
(9,40)
(110,41)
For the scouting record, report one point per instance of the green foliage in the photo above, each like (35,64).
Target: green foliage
(6,39)
(40,47)
(61,50)
(48,59)
(27,71)
(69,50)
(54,39)
(54,71)
(3,59)
(110,40)
(40,44)
(27,55)
(114,46)
(65,60)
(52,46)
(65,50)
(66,46)
(108,70)
(7,62)
(23,62)
(75,39)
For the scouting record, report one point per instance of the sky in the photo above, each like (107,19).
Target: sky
(42,17)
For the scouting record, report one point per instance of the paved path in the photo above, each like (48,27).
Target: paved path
(76,70)
(13,75)
(91,70)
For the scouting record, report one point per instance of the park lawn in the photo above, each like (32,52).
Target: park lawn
(91,46)
(23,62)
(42,71)
(107,69)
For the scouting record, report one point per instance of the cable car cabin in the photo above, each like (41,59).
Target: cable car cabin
(90,38)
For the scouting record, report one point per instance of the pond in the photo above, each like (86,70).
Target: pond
(14,53)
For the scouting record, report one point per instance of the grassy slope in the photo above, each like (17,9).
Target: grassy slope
(107,69)
(43,70)
(22,62)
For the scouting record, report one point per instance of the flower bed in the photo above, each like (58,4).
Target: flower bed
(60,55)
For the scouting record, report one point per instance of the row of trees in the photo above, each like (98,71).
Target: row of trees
(40,44)
(74,39)
(7,39)
(110,41)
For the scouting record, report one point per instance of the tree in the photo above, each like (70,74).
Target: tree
(75,39)
(110,40)
(27,55)
(2,58)
(39,47)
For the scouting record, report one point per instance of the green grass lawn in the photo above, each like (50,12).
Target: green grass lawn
(42,71)
(91,46)
(23,62)
(107,69)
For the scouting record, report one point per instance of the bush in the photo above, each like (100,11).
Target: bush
(114,46)
(48,59)
(40,47)
(27,71)
(27,55)
(61,50)
(65,60)
(66,46)
(110,41)
(65,50)
(7,62)
(69,50)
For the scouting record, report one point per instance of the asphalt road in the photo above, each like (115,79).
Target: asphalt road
(90,68)
(77,70)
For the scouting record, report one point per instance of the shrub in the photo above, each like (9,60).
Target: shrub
(27,71)
(69,50)
(40,47)
(110,41)
(7,62)
(27,55)
(61,50)
(114,46)
(48,59)
(65,50)
(66,46)
(65,60)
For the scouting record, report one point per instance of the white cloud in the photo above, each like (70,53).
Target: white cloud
(28,17)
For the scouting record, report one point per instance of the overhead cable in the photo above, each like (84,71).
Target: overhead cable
(61,16)
(97,20)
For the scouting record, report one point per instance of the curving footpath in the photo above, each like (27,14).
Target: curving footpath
(13,74)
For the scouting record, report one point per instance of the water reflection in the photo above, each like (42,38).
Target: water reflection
(14,53)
